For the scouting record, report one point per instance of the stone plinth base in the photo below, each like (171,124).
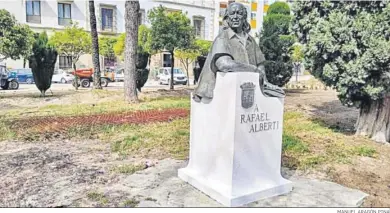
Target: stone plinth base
(236,143)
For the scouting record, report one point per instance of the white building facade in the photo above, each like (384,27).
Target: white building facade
(201,14)
(54,15)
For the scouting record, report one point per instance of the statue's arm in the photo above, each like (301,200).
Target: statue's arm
(227,64)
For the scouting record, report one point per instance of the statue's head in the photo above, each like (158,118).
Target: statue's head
(236,17)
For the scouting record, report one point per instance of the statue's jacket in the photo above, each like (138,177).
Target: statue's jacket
(227,43)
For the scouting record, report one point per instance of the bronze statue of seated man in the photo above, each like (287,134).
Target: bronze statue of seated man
(234,50)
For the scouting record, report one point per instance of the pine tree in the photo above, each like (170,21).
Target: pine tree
(275,43)
(347,46)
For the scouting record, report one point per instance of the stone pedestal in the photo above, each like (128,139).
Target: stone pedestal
(236,143)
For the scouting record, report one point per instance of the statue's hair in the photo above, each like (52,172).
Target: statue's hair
(246,26)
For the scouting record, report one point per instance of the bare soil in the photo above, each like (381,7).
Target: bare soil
(57,174)
(366,174)
(55,124)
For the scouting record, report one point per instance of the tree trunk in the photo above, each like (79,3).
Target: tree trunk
(374,120)
(132,8)
(97,84)
(172,68)
(24,62)
(75,81)
(188,75)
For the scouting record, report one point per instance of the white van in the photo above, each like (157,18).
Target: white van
(164,76)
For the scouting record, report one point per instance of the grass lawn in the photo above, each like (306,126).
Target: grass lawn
(311,143)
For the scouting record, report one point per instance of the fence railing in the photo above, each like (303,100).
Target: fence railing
(64,21)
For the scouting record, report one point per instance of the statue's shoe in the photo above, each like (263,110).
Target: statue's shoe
(273,91)
(196,98)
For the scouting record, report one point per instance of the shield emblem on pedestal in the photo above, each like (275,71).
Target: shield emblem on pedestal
(247,95)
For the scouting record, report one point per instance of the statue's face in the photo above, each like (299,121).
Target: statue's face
(236,17)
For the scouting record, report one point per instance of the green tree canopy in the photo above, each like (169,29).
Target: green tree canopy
(203,46)
(346,45)
(73,41)
(279,8)
(144,39)
(143,42)
(106,46)
(297,53)
(15,39)
(187,56)
(275,43)
(170,31)
(119,46)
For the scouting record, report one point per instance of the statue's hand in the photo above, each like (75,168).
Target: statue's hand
(261,70)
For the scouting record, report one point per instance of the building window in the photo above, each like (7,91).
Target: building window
(107,19)
(109,61)
(65,62)
(167,61)
(33,11)
(141,17)
(199,28)
(253,16)
(64,14)
(170,10)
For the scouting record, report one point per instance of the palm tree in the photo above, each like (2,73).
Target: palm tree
(95,46)
(132,8)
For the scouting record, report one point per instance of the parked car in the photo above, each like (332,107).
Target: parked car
(8,80)
(179,77)
(24,75)
(62,78)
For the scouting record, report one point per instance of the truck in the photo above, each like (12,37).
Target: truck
(8,80)
(85,77)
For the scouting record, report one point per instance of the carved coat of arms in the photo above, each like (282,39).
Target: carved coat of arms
(247,94)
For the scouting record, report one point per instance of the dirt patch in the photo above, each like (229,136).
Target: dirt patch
(59,173)
(59,124)
(364,173)
(367,175)
(325,106)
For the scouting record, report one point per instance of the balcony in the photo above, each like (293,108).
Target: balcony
(64,21)
(33,19)
(107,29)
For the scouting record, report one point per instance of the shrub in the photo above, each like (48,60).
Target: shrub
(42,62)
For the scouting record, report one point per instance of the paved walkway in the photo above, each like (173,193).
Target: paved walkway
(166,190)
